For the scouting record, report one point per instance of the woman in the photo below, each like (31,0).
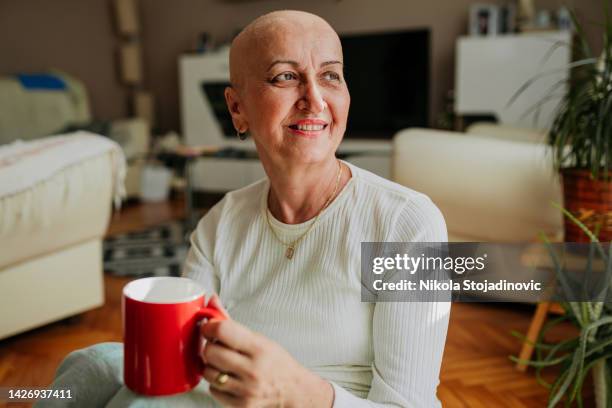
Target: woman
(283,254)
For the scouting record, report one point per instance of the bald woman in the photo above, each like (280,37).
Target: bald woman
(282,256)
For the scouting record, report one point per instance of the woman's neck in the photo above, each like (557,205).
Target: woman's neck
(298,194)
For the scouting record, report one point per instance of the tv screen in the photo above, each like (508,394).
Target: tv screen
(388,77)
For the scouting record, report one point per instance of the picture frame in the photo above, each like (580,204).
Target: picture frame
(484,20)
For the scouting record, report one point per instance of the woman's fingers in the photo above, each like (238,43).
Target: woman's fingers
(233,335)
(231,385)
(226,399)
(226,360)
(215,303)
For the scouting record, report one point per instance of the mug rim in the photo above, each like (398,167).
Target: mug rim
(186,299)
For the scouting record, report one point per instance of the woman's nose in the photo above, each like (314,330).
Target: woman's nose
(312,99)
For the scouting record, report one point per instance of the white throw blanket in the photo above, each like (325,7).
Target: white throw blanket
(24,164)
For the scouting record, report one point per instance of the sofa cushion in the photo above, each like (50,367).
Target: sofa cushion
(28,113)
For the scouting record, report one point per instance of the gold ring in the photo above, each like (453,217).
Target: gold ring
(221,378)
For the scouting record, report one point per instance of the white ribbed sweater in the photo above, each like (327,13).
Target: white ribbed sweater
(375,355)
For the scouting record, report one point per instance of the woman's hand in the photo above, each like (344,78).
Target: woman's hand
(261,373)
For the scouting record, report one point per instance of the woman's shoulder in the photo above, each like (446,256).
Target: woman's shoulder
(413,214)
(248,194)
(378,187)
(246,200)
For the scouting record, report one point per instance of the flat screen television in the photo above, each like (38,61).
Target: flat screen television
(388,77)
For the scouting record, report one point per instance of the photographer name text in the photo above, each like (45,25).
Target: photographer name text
(447,285)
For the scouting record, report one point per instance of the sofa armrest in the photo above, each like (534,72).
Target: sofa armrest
(132,135)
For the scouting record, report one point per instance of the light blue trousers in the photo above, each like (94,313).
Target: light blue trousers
(95,377)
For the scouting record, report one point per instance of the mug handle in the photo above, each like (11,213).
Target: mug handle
(206,313)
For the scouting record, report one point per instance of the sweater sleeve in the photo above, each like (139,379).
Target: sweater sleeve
(408,337)
(199,264)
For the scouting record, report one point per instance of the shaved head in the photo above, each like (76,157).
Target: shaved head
(250,45)
(288,90)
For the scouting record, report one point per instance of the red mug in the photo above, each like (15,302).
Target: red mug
(160,334)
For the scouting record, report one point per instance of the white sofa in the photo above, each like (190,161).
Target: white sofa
(34,112)
(55,204)
(493,184)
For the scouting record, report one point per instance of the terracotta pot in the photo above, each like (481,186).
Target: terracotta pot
(588,200)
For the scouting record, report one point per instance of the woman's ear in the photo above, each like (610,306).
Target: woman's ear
(232,99)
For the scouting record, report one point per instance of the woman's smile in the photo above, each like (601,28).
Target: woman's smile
(309,128)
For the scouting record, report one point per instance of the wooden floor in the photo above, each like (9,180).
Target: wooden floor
(476,371)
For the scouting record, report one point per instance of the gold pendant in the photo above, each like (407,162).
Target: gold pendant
(289,252)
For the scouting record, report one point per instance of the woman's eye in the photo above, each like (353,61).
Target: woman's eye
(331,76)
(285,76)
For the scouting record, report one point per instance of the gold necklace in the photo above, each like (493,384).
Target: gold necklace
(291,245)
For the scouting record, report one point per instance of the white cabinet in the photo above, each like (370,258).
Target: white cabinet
(490,70)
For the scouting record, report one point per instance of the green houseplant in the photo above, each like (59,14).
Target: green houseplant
(581,137)
(591,350)
(581,134)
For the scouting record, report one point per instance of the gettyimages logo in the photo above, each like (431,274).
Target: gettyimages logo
(422,262)
(476,272)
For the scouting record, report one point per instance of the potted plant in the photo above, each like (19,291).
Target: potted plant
(591,350)
(581,136)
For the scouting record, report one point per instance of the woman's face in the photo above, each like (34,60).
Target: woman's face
(292,95)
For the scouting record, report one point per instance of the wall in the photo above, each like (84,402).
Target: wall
(77,36)
(447,19)
(168,30)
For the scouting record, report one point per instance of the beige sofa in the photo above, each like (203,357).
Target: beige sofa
(28,114)
(491,183)
(51,227)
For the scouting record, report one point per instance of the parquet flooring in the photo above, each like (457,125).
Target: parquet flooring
(476,371)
